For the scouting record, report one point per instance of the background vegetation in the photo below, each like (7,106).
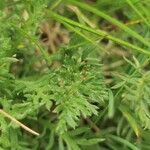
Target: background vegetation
(74,74)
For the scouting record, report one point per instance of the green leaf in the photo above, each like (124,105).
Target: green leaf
(130,119)
(123,141)
(90,141)
(111,109)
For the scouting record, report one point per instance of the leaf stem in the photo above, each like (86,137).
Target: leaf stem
(5,114)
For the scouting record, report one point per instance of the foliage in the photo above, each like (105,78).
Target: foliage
(92,92)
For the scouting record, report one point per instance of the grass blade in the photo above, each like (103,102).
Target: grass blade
(123,141)
(130,119)
(110,19)
(111,105)
(138,12)
(100,33)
